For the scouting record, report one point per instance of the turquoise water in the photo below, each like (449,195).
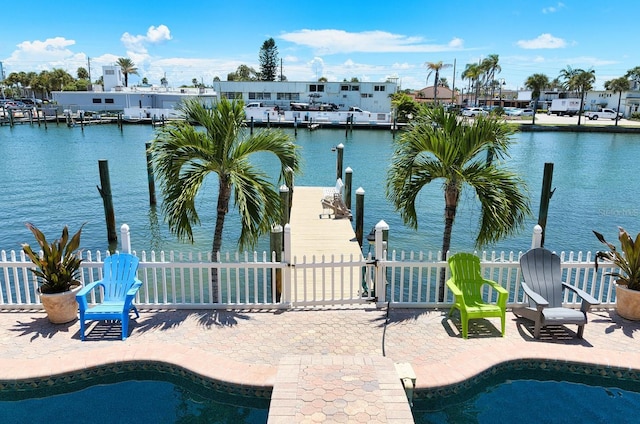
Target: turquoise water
(49,177)
(512,397)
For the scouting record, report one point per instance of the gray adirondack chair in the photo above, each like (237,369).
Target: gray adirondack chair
(544,287)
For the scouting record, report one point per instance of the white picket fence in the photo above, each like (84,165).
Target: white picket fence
(248,280)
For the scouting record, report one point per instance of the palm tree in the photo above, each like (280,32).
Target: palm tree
(490,67)
(618,85)
(536,83)
(438,146)
(185,155)
(473,72)
(580,81)
(436,67)
(128,67)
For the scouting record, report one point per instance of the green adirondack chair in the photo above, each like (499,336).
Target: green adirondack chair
(466,284)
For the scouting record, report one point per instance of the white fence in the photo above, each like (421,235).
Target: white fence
(251,280)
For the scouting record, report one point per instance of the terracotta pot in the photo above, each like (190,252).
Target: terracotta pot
(627,302)
(61,307)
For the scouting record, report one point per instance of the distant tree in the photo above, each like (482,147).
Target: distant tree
(618,85)
(490,68)
(268,60)
(435,67)
(216,79)
(145,81)
(405,107)
(473,72)
(323,79)
(243,73)
(164,82)
(578,81)
(634,75)
(536,83)
(82,73)
(194,81)
(443,83)
(354,79)
(128,68)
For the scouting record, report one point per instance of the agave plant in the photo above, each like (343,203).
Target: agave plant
(58,269)
(627,261)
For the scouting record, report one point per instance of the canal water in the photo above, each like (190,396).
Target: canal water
(50,177)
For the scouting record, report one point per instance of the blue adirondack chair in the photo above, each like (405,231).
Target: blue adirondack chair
(119,285)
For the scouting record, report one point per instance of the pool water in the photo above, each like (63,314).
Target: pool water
(163,399)
(525,400)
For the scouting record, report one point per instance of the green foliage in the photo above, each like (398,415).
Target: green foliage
(58,269)
(405,106)
(268,60)
(628,261)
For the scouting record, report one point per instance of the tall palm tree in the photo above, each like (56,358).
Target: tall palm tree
(579,81)
(185,155)
(490,67)
(618,85)
(536,83)
(128,67)
(436,67)
(438,146)
(473,72)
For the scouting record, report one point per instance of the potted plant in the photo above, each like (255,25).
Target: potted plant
(628,274)
(57,272)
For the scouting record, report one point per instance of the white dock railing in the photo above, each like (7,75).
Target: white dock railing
(249,280)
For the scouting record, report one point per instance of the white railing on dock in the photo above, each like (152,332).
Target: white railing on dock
(246,280)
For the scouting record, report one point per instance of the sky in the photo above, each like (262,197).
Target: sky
(339,40)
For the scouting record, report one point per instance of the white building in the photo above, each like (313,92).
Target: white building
(146,102)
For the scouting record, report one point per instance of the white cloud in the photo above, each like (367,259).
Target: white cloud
(47,54)
(553,9)
(543,41)
(154,35)
(332,41)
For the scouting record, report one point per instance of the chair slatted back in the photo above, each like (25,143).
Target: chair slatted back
(119,274)
(467,275)
(542,273)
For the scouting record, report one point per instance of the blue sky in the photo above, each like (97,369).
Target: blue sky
(335,39)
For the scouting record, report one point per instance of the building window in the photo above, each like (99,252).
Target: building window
(344,88)
(365,95)
(379,88)
(108,100)
(109,72)
(97,100)
(259,96)
(231,95)
(316,88)
(355,88)
(288,96)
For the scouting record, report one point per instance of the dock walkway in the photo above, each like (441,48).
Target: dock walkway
(317,237)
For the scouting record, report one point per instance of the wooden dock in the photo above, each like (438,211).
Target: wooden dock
(317,237)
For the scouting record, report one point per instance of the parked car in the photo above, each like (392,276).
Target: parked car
(474,111)
(527,112)
(512,111)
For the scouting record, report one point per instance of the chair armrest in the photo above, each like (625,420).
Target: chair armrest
(134,288)
(503,294)
(454,289)
(586,297)
(87,289)
(540,301)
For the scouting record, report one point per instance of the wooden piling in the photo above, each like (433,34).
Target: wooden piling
(359,215)
(348,182)
(545,197)
(339,159)
(105,192)
(152,183)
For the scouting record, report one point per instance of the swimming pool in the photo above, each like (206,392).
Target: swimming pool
(131,393)
(536,396)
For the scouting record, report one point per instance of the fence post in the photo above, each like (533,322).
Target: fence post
(359,214)
(286,259)
(125,235)
(276,246)
(348,181)
(284,205)
(536,240)
(382,237)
